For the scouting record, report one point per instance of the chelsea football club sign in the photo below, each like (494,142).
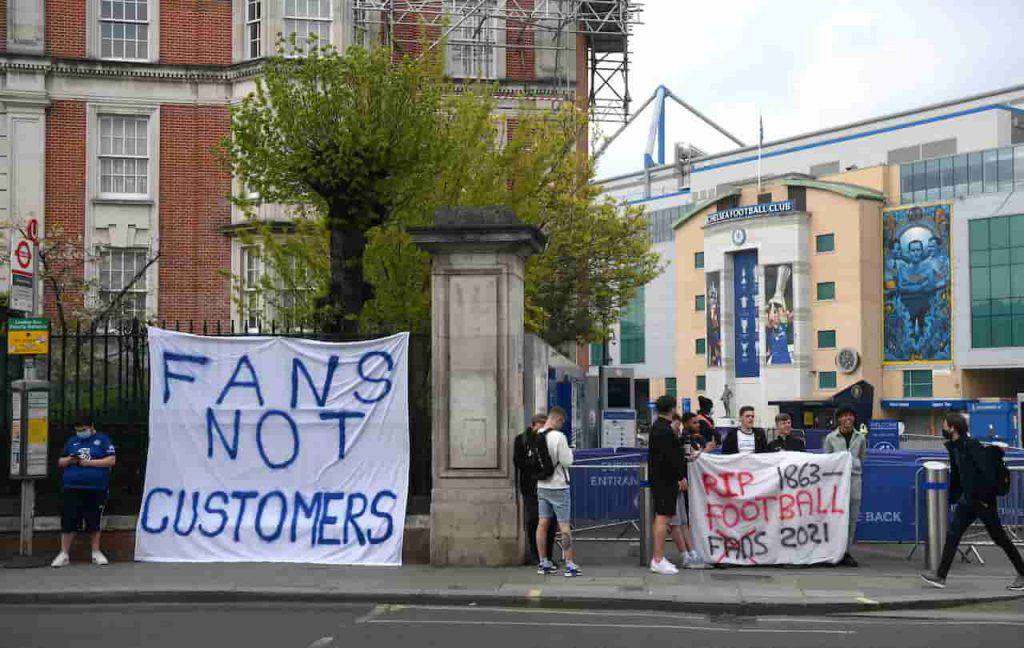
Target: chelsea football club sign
(750,211)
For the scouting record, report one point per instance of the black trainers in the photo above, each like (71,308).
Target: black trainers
(1017,585)
(848,561)
(933,579)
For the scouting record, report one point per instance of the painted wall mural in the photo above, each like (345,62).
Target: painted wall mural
(917,302)
(778,311)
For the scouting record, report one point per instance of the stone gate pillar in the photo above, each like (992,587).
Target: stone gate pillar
(478,258)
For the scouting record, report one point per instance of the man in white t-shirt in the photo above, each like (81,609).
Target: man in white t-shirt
(553,499)
(746,439)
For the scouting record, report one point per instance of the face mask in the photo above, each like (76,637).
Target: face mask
(946,434)
(84,434)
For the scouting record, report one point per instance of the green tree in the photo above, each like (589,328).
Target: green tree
(349,137)
(597,254)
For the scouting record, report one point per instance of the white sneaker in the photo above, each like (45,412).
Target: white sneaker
(61,560)
(99,559)
(664,567)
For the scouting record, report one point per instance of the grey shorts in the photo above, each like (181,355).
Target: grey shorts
(554,503)
(680,517)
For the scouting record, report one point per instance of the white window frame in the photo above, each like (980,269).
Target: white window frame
(94,47)
(301,41)
(103,117)
(94,147)
(252,29)
(484,50)
(251,313)
(136,290)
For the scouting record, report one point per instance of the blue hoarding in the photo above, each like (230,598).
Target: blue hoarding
(884,435)
(745,326)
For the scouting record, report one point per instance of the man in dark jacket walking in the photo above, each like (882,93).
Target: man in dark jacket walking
(666,467)
(973,488)
(528,487)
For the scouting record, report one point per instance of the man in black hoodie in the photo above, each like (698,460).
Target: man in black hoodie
(528,488)
(666,473)
(972,487)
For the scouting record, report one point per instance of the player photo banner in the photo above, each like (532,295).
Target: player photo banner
(778,314)
(917,299)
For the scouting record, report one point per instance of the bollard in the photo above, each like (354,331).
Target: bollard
(646,506)
(936,477)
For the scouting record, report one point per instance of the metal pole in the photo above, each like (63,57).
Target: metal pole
(937,485)
(646,506)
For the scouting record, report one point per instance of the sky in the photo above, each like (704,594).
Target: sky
(808,64)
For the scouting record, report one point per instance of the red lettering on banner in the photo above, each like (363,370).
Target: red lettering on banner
(804,499)
(748,517)
(818,508)
(745,479)
(786,503)
(835,495)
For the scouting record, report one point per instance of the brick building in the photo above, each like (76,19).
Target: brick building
(110,110)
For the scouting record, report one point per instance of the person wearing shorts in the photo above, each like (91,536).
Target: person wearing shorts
(666,472)
(86,461)
(687,427)
(553,500)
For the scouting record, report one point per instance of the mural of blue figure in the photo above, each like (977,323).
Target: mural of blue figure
(917,282)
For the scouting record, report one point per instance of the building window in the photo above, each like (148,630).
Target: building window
(121,268)
(825,243)
(997,281)
(826,290)
(764,198)
(670,387)
(826,339)
(596,354)
(308,17)
(471,43)
(253,18)
(124,29)
(698,260)
(698,303)
(700,346)
(917,383)
(992,170)
(124,155)
(250,304)
(826,380)
(702,382)
(631,329)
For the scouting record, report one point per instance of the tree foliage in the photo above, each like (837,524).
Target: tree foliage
(461,152)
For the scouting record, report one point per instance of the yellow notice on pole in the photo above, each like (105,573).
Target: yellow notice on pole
(28,336)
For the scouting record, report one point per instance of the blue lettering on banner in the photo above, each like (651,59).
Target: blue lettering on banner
(195,513)
(307,509)
(351,517)
(384,515)
(295,439)
(327,519)
(179,357)
(242,497)
(144,518)
(341,418)
(220,512)
(321,397)
(270,537)
(211,424)
(254,383)
(388,362)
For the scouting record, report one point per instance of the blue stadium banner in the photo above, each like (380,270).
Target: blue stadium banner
(745,325)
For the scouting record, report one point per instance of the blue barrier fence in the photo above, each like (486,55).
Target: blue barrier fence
(601,491)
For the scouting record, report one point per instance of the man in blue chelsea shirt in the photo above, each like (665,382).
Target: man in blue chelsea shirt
(86,461)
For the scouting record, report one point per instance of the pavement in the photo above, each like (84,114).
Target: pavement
(885,581)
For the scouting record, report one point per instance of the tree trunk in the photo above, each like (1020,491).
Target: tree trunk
(348,292)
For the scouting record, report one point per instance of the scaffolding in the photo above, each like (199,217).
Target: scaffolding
(477,30)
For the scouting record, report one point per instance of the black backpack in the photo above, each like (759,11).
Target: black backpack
(538,459)
(997,469)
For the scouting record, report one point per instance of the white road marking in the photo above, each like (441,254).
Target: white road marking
(636,626)
(322,642)
(377,611)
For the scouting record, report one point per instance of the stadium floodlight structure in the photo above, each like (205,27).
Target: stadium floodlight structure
(546,31)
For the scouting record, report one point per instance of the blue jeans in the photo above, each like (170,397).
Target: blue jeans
(554,503)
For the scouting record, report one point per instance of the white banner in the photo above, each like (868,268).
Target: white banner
(275,449)
(771,509)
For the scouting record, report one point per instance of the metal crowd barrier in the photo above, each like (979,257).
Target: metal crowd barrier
(606,495)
